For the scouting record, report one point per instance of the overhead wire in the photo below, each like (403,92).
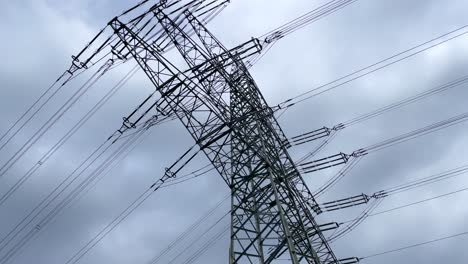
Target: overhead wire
(414,245)
(406,101)
(33,233)
(332,181)
(39,108)
(270,38)
(41,105)
(391,142)
(304,138)
(337,177)
(66,202)
(187,232)
(28,219)
(110,226)
(418,132)
(427,180)
(51,121)
(26,113)
(318,148)
(412,204)
(352,224)
(356,222)
(420,183)
(208,244)
(187,178)
(419,202)
(134,205)
(59,190)
(68,135)
(198,238)
(406,247)
(308,17)
(372,114)
(400,56)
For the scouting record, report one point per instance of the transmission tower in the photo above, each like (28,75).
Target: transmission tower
(221,106)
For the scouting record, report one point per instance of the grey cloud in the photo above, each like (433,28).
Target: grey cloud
(43,35)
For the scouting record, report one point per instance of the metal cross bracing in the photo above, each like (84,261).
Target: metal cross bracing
(217,100)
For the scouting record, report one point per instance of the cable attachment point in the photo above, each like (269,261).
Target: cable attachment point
(169,173)
(282,104)
(352,260)
(340,126)
(286,144)
(118,53)
(358,153)
(317,209)
(78,64)
(126,123)
(379,195)
(75,66)
(151,122)
(116,135)
(277,35)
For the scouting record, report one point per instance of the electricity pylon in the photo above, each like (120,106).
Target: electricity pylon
(219,103)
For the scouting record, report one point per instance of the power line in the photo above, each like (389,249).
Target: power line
(415,245)
(373,67)
(181,162)
(331,132)
(356,222)
(207,245)
(68,135)
(418,132)
(190,229)
(427,180)
(199,237)
(51,121)
(36,102)
(406,101)
(60,189)
(388,143)
(271,37)
(352,224)
(418,202)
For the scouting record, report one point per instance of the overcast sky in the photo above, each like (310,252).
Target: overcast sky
(39,36)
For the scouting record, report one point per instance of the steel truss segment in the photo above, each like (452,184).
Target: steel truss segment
(205,69)
(270,144)
(227,116)
(215,47)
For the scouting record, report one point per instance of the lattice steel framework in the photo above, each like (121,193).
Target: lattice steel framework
(218,101)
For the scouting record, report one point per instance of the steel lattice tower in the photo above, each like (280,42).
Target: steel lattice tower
(219,103)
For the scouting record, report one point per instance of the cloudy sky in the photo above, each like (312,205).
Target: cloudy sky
(39,36)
